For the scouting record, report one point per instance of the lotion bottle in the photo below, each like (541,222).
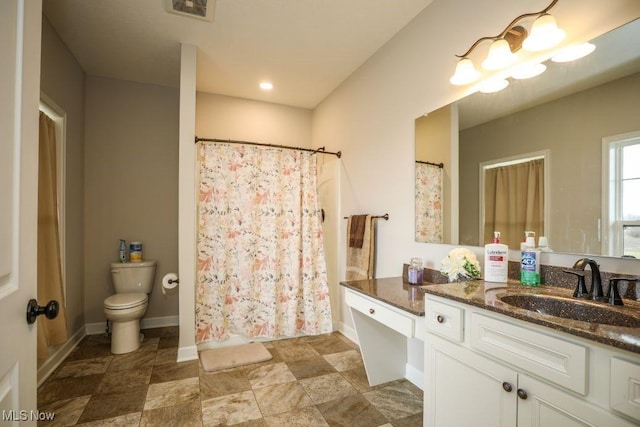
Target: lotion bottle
(496,260)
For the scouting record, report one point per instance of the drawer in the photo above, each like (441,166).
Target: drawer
(380,312)
(549,357)
(444,319)
(625,387)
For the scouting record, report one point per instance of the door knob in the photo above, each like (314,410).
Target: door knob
(34,310)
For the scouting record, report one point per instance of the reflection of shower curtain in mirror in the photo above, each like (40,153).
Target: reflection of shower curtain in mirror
(261,268)
(514,201)
(429,227)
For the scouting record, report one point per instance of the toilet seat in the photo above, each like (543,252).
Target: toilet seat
(125,301)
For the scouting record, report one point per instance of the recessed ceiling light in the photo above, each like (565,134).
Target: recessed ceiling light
(266,86)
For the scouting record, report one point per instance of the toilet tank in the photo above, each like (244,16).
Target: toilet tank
(133,276)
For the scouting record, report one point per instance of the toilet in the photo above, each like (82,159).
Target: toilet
(133,282)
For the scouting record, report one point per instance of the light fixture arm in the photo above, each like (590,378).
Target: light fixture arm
(508,28)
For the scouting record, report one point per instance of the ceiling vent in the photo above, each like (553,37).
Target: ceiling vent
(200,9)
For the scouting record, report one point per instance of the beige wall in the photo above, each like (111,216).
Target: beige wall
(63,81)
(371,116)
(131,185)
(571,128)
(225,117)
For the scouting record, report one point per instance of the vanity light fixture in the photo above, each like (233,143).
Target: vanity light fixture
(527,71)
(500,56)
(465,73)
(494,84)
(544,34)
(571,53)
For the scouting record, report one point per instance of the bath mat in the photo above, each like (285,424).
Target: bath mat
(230,357)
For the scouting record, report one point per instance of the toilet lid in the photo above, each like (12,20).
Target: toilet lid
(122,301)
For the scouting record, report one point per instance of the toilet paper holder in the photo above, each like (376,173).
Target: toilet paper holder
(169,281)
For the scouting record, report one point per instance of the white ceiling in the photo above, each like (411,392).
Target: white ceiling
(306,48)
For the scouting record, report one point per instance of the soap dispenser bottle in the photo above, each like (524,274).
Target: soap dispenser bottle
(530,263)
(496,260)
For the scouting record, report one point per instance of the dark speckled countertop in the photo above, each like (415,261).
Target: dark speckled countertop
(487,295)
(392,291)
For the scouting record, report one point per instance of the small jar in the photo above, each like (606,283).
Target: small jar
(415,271)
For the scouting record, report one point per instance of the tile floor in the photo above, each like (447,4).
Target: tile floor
(311,381)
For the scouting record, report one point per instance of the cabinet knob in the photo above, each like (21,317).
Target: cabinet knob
(522,394)
(372,311)
(439,318)
(507,387)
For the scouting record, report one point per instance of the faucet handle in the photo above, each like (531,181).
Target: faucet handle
(614,294)
(581,289)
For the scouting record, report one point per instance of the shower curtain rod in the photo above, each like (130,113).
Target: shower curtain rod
(320,150)
(440,165)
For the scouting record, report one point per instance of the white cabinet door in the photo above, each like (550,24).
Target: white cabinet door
(547,406)
(465,389)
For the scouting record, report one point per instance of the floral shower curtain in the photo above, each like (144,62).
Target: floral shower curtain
(261,267)
(429,226)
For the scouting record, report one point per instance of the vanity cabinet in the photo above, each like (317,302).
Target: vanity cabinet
(383,331)
(487,369)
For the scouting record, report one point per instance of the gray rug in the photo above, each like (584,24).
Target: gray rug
(230,357)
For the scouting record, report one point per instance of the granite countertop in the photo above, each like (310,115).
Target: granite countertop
(486,295)
(392,291)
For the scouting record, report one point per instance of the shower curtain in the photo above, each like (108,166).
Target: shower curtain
(261,268)
(514,201)
(429,226)
(50,331)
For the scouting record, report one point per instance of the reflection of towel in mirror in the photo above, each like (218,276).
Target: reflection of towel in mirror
(360,261)
(356,230)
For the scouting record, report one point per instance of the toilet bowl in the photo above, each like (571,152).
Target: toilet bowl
(132,282)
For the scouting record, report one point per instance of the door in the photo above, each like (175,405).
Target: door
(463,388)
(543,405)
(20,32)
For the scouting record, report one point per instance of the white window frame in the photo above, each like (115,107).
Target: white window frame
(59,117)
(512,160)
(612,223)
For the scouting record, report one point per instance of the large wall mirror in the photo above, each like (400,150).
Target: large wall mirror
(576,131)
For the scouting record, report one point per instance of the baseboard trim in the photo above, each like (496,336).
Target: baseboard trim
(95,328)
(145,323)
(415,376)
(159,322)
(187,353)
(347,331)
(58,355)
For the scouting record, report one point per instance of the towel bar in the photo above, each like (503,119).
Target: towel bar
(385,217)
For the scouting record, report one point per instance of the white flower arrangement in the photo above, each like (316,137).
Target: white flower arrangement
(462,264)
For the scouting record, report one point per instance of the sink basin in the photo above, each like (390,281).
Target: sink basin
(566,308)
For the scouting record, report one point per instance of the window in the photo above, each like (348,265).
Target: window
(623,208)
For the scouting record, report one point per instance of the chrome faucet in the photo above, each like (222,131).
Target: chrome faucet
(596,283)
